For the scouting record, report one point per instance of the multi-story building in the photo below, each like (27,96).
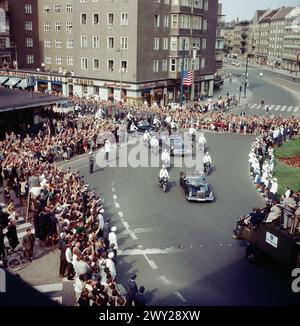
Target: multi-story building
(291,42)
(127,48)
(264,36)
(6,51)
(24,32)
(220,39)
(277,31)
(228,32)
(241,37)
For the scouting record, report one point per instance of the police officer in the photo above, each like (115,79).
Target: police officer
(91,162)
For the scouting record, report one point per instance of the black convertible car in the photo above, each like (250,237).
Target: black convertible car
(195,186)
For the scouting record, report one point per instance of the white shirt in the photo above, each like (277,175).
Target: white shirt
(192,131)
(69,255)
(207,159)
(274,187)
(111,266)
(154,142)
(133,127)
(107,147)
(202,140)
(112,238)
(146,136)
(165,156)
(163,174)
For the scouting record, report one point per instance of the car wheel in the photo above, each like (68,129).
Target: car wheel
(253,255)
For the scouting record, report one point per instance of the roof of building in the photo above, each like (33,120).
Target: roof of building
(267,18)
(11,99)
(282,13)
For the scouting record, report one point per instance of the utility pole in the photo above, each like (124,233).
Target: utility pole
(246,77)
(182,72)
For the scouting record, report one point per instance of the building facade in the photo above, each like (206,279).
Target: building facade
(6,50)
(220,39)
(129,49)
(291,41)
(24,32)
(240,37)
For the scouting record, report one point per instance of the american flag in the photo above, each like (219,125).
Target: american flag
(188,77)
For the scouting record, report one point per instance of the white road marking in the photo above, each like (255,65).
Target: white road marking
(258,106)
(277,107)
(252,106)
(49,287)
(164,280)
(290,109)
(271,107)
(142,230)
(115,197)
(127,230)
(113,189)
(296,109)
(153,251)
(151,262)
(179,295)
(126,225)
(117,205)
(283,108)
(121,214)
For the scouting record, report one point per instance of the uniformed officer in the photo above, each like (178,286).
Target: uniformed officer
(91,162)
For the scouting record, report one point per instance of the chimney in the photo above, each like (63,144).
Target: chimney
(237,19)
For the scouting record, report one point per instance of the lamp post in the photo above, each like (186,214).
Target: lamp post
(195,50)
(182,72)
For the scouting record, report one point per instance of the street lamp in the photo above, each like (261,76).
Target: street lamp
(195,51)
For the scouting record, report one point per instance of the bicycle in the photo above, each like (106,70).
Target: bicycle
(11,260)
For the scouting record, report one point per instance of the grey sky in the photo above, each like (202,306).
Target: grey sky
(246,9)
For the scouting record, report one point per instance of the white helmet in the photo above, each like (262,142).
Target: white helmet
(165,150)
(163,167)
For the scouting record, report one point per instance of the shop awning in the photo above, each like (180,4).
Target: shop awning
(12,81)
(23,84)
(3,79)
(42,81)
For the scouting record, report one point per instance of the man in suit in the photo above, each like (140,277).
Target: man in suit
(132,289)
(91,162)
(28,245)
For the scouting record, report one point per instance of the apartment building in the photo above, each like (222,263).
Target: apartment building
(240,37)
(129,49)
(220,39)
(6,51)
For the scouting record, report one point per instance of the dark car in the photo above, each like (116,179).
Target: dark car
(145,125)
(195,186)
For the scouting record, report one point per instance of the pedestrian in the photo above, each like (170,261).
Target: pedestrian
(91,162)
(132,289)
(12,235)
(112,237)
(107,149)
(2,245)
(69,259)
(28,245)
(139,299)
(63,261)
(106,231)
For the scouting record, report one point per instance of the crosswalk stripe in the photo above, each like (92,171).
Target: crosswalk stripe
(258,106)
(253,106)
(277,107)
(271,107)
(55,287)
(296,109)
(283,108)
(290,109)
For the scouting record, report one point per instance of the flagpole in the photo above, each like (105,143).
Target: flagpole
(182,73)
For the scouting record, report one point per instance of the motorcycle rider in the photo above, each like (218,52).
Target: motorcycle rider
(165,157)
(163,173)
(192,131)
(202,140)
(206,160)
(146,137)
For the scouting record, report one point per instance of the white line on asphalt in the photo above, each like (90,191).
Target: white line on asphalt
(290,109)
(151,262)
(179,295)
(130,232)
(153,251)
(113,189)
(115,197)
(296,109)
(142,230)
(271,107)
(121,214)
(126,225)
(277,107)
(253,106)
(57,299)
(49,287)
(258,106)
(117,205)
(164,280)
(283,108)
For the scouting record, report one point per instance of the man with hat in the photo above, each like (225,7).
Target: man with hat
(112,237)
(274,188)
(111,265)
(91,162)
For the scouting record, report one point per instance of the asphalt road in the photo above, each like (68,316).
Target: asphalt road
(183,252)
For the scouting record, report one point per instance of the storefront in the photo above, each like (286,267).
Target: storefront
(42,85)
(57,86)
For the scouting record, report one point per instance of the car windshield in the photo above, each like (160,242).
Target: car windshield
(144,124)
(197,182)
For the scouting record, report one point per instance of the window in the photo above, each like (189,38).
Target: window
(197,22)
(165,65)
(110,42)
(166,2)
(173,43)
(29,42)
(202,62)
(124,66)
(124,18)
(83,42)
(124,43)
(110,65)
(96,42)
(48,60)
(174,21)
(155,65)
(69,7)
(69,26)
(28,9)
(47,43)
(165,43)
(46,9)
(156,43)
(58,60)
(56,8)
(69,44)
(83,19)
(28,25)
(185,21)
(173,63)
(156,20)
(84,63)
(166,21)
(96,64)
(58,26)
(47,26)
(186,41)
(203,43)
(110,19)
(70,61)
(205,4)
(205,24)
(58,44)
(29,59)
(95,19)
